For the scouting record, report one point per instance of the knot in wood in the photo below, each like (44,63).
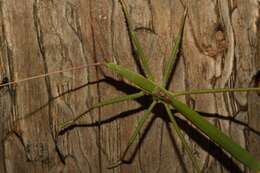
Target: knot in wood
(221,41)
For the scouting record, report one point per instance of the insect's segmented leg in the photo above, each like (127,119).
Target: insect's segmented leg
(136,42)
(101,104)
(176,127)
(216,90)
(135,133)
(169,65)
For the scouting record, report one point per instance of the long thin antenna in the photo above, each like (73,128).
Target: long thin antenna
(50,73)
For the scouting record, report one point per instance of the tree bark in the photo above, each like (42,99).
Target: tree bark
(220,48)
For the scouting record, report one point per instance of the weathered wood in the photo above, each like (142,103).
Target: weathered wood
(220,48)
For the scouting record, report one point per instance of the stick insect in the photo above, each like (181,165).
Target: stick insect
(160,94)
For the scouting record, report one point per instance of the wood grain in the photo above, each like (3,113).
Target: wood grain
(220,48)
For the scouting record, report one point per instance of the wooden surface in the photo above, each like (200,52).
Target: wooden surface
(220,48)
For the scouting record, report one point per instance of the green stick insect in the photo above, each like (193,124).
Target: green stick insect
(161,95)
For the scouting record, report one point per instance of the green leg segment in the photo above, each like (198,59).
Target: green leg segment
(135,133)
(101,104)
(175,126)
